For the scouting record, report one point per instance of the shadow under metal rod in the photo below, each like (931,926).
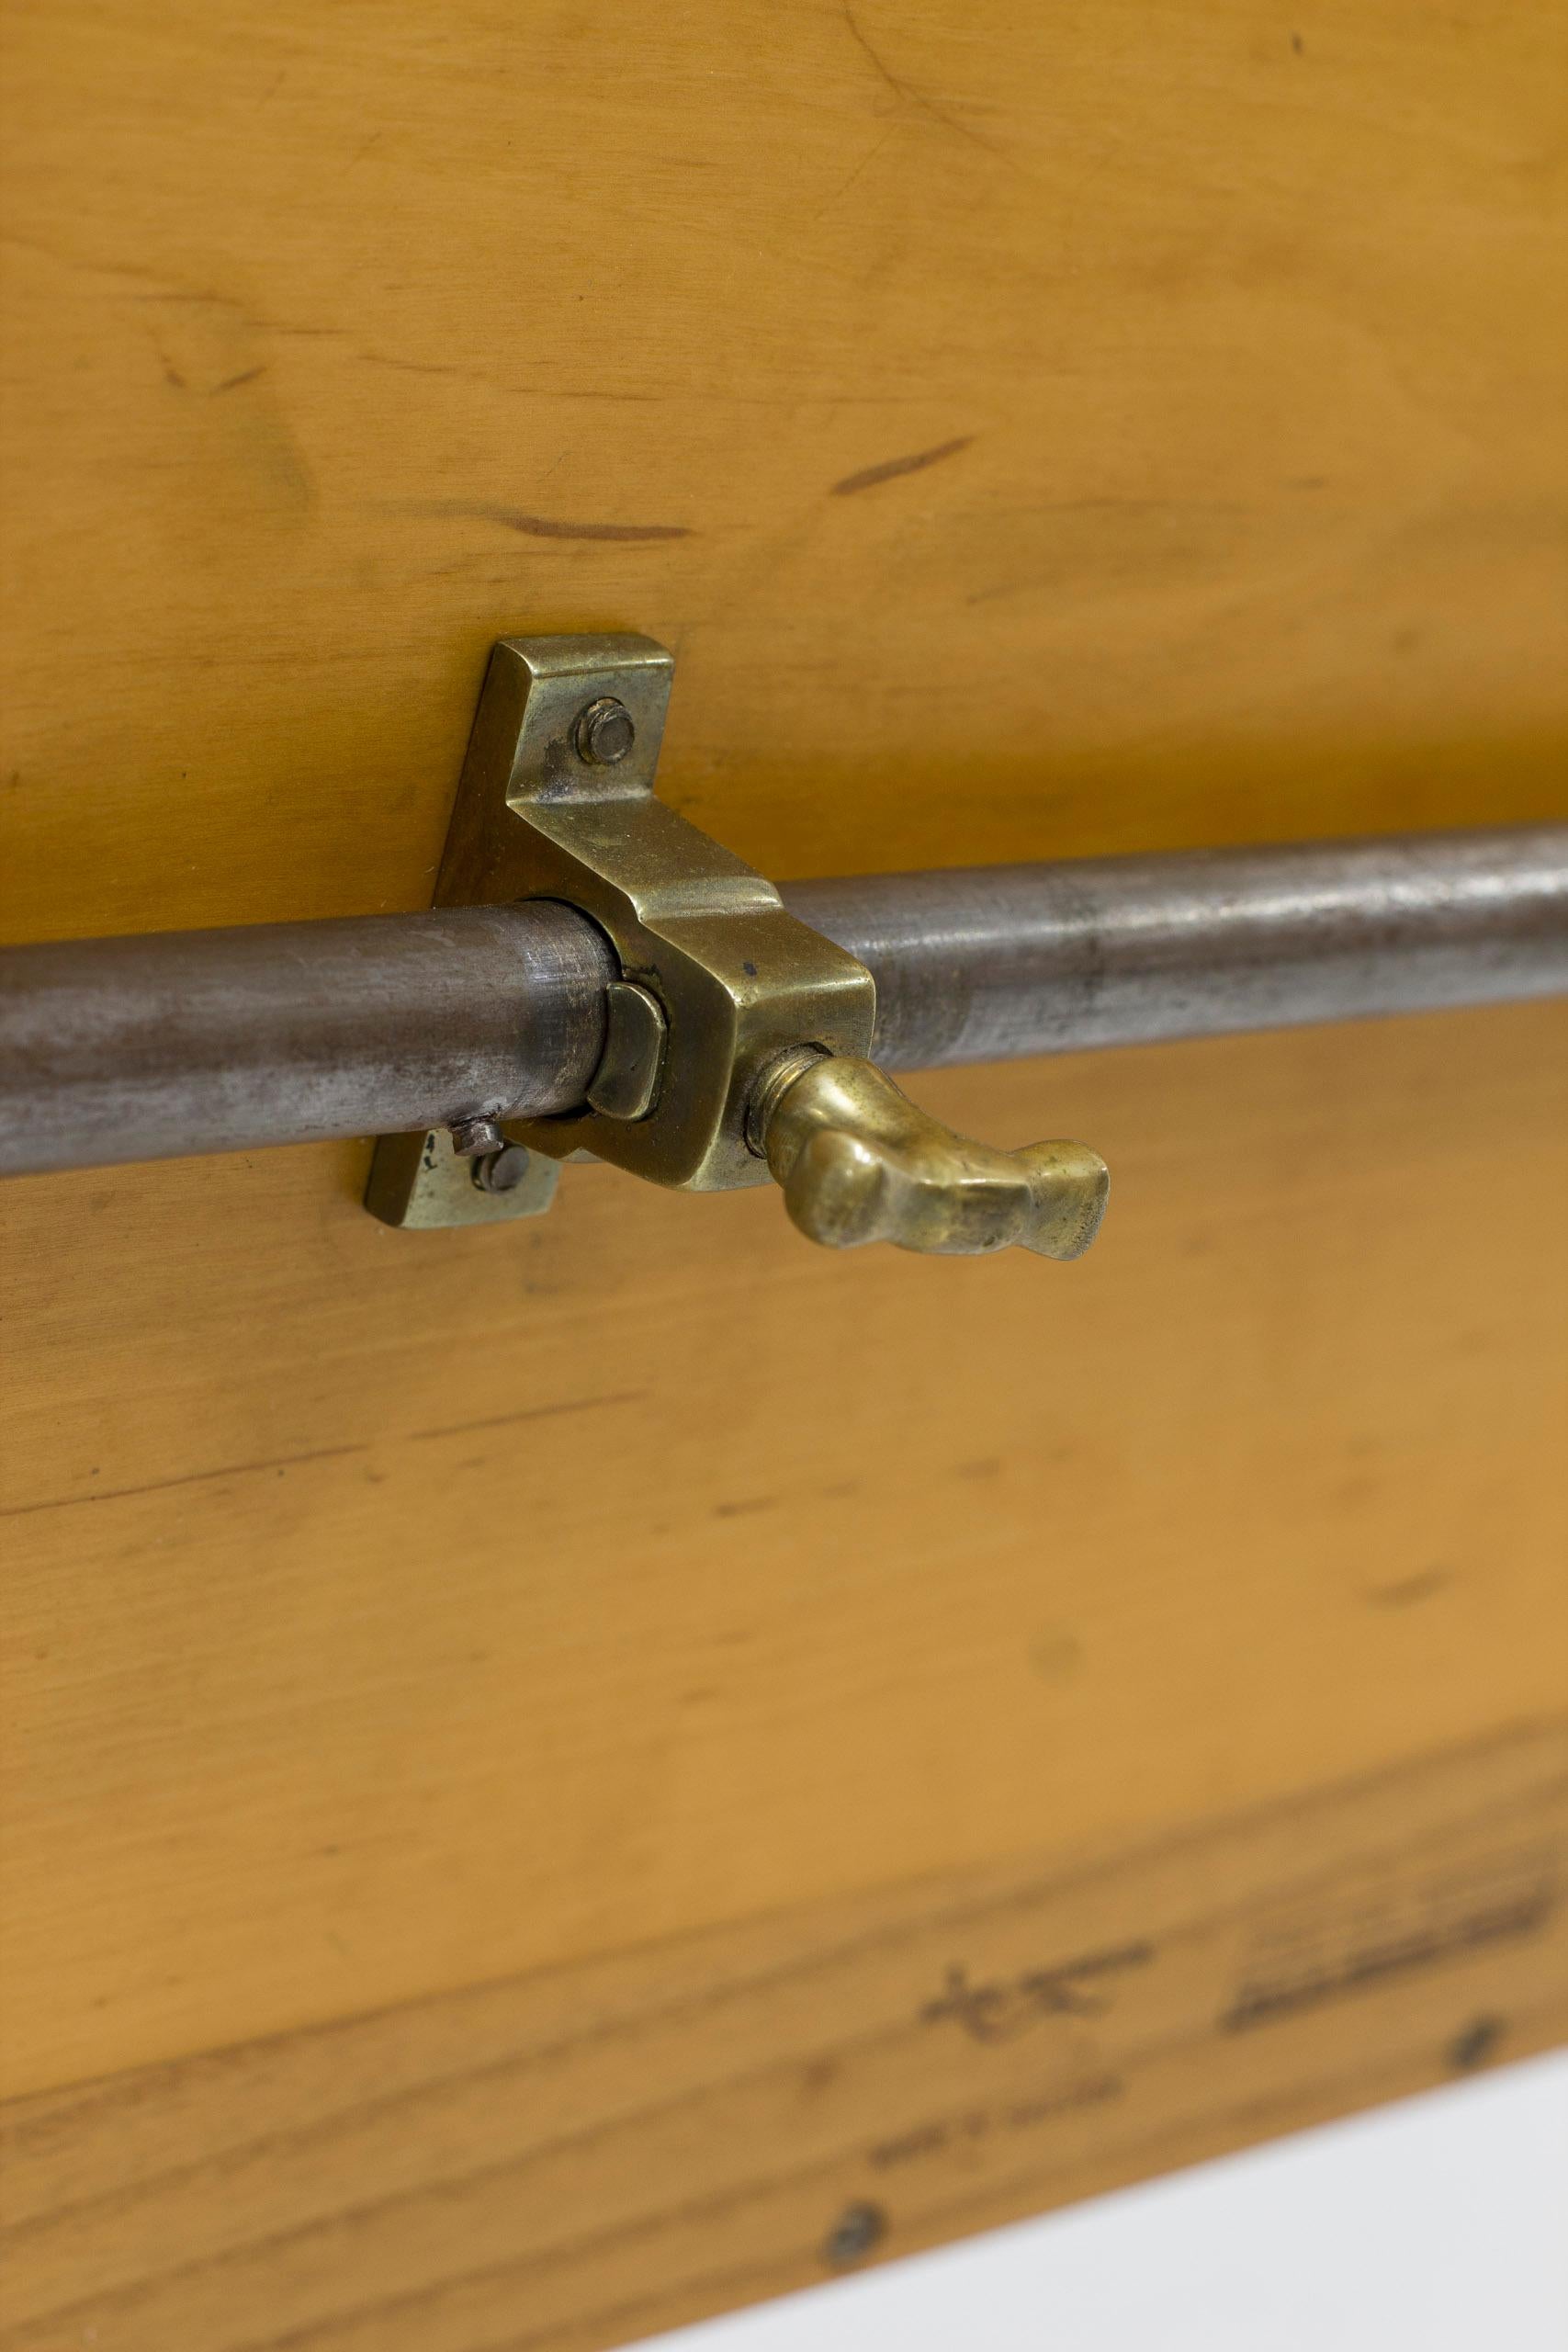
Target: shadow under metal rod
(181,1042)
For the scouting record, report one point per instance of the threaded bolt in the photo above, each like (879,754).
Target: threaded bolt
(473,1137)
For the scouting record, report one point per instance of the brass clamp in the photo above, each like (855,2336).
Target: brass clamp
(736,1037)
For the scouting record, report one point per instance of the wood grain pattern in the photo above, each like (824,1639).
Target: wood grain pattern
(1038,432)
(1198,374)
(384,1611)
(562,2162)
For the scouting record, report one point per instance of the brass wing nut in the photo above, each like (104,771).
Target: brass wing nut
(735,1038)
(858,1161)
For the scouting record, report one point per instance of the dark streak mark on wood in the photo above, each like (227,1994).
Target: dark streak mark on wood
(418,366)
(233,383)
(194,1478)
(549,526)
(1405,1591)
(891,470)
(545,527)
(535,1413)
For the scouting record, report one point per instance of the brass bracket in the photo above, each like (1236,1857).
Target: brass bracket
(735,1038)
(421,1184)
(556,801)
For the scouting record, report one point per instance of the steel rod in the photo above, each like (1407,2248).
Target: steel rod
(1006,960)
(199,1040)
(152,1047)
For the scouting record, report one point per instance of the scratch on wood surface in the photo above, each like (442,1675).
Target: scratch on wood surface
(865,165)
(191,1478)
(918,98)
(892,467)
(536,1413)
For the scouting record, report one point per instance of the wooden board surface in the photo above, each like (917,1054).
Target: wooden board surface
(1038,433)
(555,2164)
(389,1610)
(1037,430)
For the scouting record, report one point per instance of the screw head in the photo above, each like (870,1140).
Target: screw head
(604,732)
(858,2229)
(1476,2043)
(502,1170)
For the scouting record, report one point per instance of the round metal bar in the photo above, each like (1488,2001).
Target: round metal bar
(199,1040)
(141,1048)
(1006,960)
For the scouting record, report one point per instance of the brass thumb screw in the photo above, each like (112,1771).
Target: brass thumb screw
(859,1162)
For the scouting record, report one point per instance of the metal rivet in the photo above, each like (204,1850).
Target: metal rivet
(604,732)
(471,1137)
(502,1170)
(858,2229)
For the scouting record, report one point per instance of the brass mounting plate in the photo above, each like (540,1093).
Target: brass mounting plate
(740,980)
(419,1184)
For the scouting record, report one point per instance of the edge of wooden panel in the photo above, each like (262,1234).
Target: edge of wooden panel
(582,2157)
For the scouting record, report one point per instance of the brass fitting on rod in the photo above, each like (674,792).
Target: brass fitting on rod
(737,1037)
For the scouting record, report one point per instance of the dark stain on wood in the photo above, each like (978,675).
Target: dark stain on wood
(233,383)
(545,527)
(550,527)
(1404,1592)
(870,477)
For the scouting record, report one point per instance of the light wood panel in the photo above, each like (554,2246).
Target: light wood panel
(1039,431)
(386,1612)
(345,337)
(554,2164)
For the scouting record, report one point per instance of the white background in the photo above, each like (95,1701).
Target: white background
(1438,2225)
